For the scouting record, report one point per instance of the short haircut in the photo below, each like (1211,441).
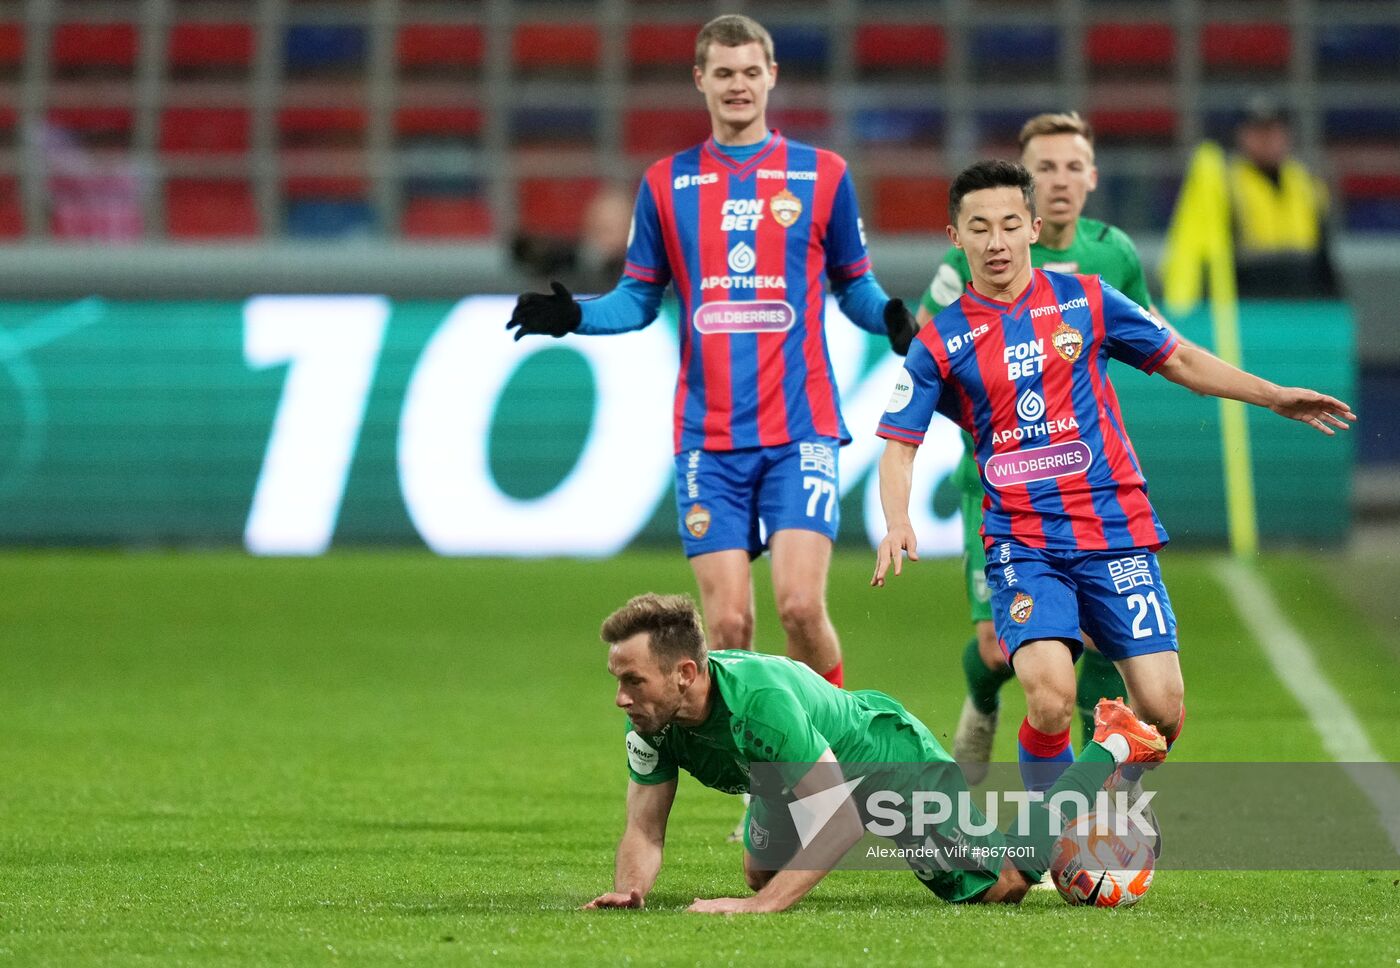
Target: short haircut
(1068,122)
(990,174)
(732,30)
(672,624)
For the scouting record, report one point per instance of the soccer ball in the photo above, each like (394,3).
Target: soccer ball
(1102,861)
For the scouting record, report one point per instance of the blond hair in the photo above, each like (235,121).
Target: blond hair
(672,624)
(1067,122)
(732,30)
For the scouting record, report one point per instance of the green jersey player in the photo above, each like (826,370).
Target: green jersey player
(1058,149)
(716,714)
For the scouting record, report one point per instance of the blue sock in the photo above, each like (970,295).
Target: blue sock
(1043,756)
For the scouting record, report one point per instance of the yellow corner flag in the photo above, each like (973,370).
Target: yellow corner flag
(1200,253)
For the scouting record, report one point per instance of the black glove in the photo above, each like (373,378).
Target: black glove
(543,314)
(900,325)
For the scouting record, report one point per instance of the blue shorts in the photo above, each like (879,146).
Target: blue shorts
(1118,597)
(729,499)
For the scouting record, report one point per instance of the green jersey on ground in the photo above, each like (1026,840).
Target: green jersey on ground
(770,709)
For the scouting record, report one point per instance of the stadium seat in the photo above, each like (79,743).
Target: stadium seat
(804,50)
(653,132)
(553,207)
(328,218)
(204,131)
(321,126)
(913,126)
(89,46)
(663,46)
(548,46)
(446,217)
(1130,45)
(438,122)
(217,45)
(1362,125)
(553,126)
(325,187)
(201,209)
(1134,124)
(11,211)
(98,125)
(906,203)
(440,45)
(1246,46)
(1021,46)
(11,46)
(1358,47)
(310,47)
(812,125)
(896,47)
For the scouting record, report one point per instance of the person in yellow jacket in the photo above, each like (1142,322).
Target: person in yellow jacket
(1279,213)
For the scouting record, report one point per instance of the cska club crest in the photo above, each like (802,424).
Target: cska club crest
(697,521)
(1068,342)
(1021,607)
(786,208)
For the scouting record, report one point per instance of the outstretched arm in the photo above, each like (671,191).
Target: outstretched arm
(639,851)
(812,862)
(896,481)
(1204,372)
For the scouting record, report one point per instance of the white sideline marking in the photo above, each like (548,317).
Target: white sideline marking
(1293,663)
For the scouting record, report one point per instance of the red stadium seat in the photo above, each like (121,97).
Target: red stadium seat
(435,121)
(662,131)
(440,45)
(204,131)
(11,45)
(433,217)
(110,121)
(326,186)
(1246,46)
(550,45)
(88,45)
(11,211)
(661,45)
(211,45)
(197,209)
(1371,186)
(908,203)
(302,127)
(1133,124)
(900,46)
(1130,45)
(554,206)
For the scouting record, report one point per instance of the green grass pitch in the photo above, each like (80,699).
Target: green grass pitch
(372,759)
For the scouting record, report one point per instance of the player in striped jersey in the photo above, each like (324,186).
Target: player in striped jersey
(1020,361)
(744,227)
(1058,150)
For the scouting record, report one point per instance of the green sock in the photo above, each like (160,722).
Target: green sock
(1086,776)
(1098,679)
(983,684)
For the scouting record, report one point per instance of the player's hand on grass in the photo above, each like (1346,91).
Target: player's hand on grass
(724,905)
(546,314)
(1317,410)
(891,552)
(900,325)
(616,899)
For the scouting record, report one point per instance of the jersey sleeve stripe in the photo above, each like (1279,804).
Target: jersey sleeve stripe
(644,273)
(1155,361)
(890,432)
(852,271)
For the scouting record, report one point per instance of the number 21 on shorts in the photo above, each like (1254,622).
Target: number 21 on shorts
(1139,605)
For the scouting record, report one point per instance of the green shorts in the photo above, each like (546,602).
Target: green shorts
(771,839)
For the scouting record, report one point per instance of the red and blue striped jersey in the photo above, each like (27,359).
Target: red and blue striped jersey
(1029,381)
(746,247)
